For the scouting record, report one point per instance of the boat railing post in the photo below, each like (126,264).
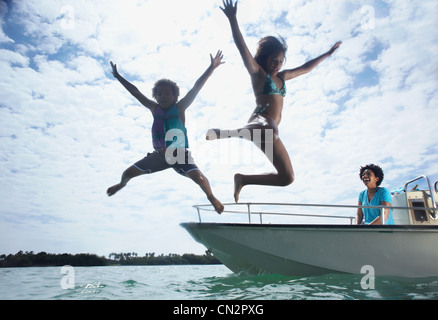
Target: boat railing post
(199,214)
(249,212)
(382,215)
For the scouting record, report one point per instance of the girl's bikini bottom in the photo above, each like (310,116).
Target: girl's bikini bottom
(267,126)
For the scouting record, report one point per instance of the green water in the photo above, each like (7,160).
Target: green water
(204,282)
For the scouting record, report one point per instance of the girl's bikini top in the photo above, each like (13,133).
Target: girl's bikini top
(165,120)
(271,88)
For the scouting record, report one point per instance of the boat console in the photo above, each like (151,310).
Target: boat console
(416,202)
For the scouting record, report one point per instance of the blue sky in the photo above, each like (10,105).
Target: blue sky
(68,129)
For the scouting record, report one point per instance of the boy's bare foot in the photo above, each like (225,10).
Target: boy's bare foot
(218,206)
(213,134)
(114,189)
(238,185)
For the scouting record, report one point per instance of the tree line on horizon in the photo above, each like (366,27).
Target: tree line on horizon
(43,259)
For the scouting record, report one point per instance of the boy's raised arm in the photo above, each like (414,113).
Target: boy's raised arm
(133,89)
(185,102)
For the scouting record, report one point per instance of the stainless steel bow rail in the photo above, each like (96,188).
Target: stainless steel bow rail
(250,213)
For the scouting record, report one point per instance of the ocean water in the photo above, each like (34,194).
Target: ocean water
(198,282)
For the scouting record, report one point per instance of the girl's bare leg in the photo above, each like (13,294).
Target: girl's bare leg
(257,130)
(202,181)
(129,173)
(213,134)
(283,177)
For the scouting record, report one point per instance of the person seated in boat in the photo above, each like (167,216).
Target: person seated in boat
(372,176)
(169,123)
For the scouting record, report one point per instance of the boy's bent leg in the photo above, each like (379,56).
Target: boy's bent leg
(153,162)
(202,181)
(129,173)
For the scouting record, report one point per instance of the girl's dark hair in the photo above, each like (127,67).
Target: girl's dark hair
(167,82)
(378,172)
(267,46)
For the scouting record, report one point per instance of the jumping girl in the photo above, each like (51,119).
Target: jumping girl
(268,83)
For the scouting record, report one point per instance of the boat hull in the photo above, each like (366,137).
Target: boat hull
(307,250)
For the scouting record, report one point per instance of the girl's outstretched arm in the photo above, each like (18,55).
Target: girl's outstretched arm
(133,89)
(230,11)
(185,102)
(308,66)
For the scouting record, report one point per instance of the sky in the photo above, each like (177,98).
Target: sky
(68,129)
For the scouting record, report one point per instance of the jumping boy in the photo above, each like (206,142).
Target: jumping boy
(169,134)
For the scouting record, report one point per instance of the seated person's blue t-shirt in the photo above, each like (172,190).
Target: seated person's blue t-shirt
(369,214)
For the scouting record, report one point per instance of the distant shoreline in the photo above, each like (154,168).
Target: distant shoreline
(43,259)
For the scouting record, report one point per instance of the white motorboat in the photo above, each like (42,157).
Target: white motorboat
(406,249)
